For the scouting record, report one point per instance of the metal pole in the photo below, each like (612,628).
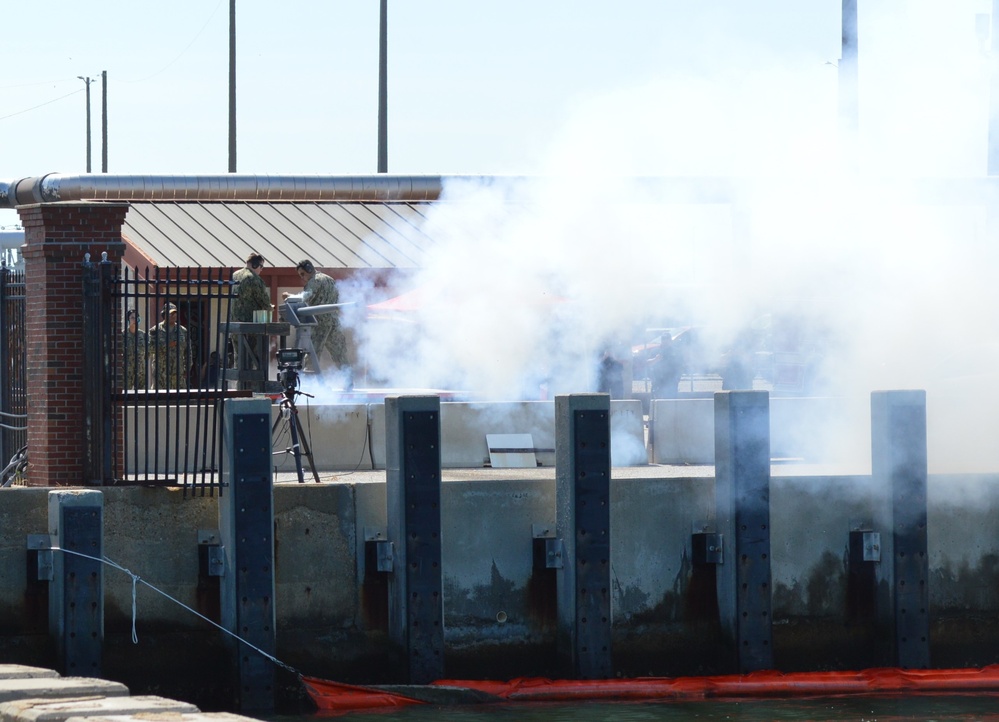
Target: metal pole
(87,83)
(993,149)
(232,86)
(104,121)
(383,89)
(849,111)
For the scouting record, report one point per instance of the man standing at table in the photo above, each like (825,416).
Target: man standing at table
(321,290)
(252,295)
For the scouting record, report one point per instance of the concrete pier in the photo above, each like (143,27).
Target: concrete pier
(34,694)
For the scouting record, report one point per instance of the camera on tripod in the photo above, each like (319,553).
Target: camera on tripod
(289,361)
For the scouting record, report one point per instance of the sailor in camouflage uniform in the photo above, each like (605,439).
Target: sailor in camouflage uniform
(252,295)
(170,351)
(136,345)
(320,290)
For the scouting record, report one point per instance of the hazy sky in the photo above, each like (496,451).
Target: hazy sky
(474,87)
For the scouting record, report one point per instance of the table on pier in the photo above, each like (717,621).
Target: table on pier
(252,360)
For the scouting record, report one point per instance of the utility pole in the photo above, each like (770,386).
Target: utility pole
(87,81)
(993,148)
(104,121)
(383,89)
(849,86)
(232,86)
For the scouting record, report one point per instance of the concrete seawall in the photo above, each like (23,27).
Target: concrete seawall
(498,603)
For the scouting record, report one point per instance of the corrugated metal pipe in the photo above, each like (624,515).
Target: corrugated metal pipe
(54,187)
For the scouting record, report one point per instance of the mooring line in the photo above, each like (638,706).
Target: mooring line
(136,579)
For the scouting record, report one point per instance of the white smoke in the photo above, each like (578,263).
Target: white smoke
(528,281)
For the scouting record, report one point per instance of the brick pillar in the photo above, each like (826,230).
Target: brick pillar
(56,238)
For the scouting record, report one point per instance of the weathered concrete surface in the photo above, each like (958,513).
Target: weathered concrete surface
(153,533)
(23,603)
(21,671)
(59,687)
(652,523)
(810,520)
(487,559)
(41,710)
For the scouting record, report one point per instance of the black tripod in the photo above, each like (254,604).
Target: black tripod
(298,442)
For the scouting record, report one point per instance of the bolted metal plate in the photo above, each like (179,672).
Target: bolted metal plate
(83,608)
(384,555)
(253,552)
(591,435)
(906,420)
(216,561)
(707,548)
(742,460)
(422,489)
(865,546)
(554,552)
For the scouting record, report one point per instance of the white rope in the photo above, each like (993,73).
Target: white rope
(136,579)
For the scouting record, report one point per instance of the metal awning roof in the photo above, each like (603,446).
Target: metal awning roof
(349,235)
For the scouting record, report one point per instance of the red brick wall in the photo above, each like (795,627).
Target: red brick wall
(57,236)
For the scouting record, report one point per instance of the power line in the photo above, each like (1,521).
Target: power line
(182,52)
(41,105)
(34,83)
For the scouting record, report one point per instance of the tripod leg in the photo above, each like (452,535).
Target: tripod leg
(294,427)
(308,453)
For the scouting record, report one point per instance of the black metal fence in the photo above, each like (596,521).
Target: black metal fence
(13,377)
(155,365)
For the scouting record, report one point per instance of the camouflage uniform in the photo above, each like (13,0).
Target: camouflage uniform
(319,291)
(171,355)
(252,295)
(135,359)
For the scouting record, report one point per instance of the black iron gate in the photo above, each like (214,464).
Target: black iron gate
(13,377)
(156,375)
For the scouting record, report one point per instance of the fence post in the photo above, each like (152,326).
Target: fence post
(98,359)
(582,520)
(6,392)
(13,391)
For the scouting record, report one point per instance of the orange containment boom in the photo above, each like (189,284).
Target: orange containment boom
(334,696)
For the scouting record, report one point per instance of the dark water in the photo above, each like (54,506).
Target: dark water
(865,709)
